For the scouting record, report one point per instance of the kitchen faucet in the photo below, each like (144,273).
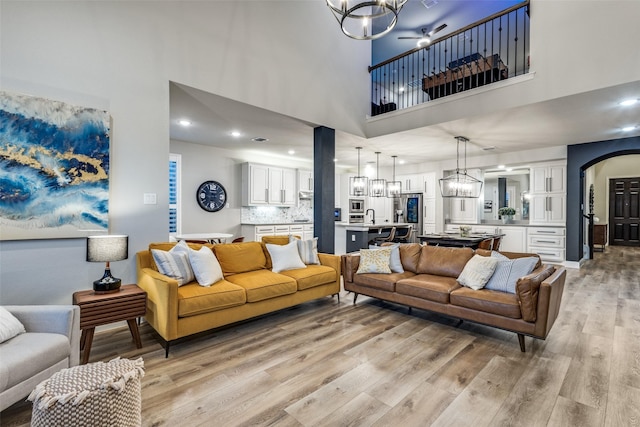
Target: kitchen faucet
(373,217)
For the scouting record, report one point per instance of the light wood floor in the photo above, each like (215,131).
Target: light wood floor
(334,364)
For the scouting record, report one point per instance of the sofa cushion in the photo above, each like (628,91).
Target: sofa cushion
(167,246)
(285,257)
(385,282)
(242,257)
(308,250)
(374,261)
(175,263)
(500,303)
(428,286)
(410,255)
(195,299)
(205,266)
(395,265)
(508,271)
(264,284)
(312,276)
(477,272)
(28,354)
(443,261)
(9,325)
(527,291)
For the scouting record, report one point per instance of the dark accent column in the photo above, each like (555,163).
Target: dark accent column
(579,158)
(502,192)
(324,178)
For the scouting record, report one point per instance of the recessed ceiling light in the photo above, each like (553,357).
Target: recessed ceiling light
(509,169)
(184,122)
(235,133)
(259,139)
(629,102)
(628,128)
(292,152)
(501,166)
(402,162)
(335,160)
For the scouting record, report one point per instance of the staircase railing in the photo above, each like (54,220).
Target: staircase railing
(488,51)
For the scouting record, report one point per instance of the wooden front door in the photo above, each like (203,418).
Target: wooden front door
(624,211)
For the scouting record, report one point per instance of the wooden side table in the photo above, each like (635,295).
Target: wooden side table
(600,235)
(100,309)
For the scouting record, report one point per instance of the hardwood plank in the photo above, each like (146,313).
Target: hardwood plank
(362,410)
(567,413)
(622,406)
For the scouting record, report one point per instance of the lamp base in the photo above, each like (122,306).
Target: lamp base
(107,283)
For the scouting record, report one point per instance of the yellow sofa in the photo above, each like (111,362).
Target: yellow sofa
(249,288)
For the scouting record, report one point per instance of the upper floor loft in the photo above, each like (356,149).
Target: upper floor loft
(491,50)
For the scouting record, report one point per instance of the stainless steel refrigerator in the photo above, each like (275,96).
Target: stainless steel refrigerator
(408,209)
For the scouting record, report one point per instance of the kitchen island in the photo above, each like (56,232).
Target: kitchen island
(351,237)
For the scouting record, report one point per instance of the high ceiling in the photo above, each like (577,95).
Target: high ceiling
(587,117)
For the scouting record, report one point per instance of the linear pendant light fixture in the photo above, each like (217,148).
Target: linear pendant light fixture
(366,20)
(462,184)
(394,188)
(377,186)
(358,185)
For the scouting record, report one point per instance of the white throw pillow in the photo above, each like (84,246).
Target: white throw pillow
(9,325)
(175,263)
(308,250)
(508,271)
(374,261)
(285,257)
(477,272)
(394,262)
(205,266)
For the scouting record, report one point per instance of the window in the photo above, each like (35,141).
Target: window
(175,161)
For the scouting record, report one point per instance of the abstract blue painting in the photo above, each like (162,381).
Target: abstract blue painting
(54,169)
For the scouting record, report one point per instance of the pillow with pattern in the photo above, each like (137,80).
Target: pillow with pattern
(394,262)
(477,272)
(508,271)
(308,250)
(374,261)
(175,263)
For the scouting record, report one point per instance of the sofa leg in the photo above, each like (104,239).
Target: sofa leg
(521,341)
(355,297)
(336,295)
(167,344)
(410,308)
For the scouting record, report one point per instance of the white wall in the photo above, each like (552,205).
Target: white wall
(120,56)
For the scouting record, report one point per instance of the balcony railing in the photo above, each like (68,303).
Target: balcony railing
(482,53)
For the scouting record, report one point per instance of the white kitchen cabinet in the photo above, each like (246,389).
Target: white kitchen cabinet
(429,212)
(308,232)
(547,209)
(382,206)
(550,178)
(547,242)
(259,231)
(266,185)
(463,210)
(305,180)
(430,185)
(411,183)
(514,239)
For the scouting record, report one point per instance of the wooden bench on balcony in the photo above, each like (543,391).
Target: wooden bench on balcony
(464,74)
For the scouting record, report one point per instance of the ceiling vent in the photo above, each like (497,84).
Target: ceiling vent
(259,139)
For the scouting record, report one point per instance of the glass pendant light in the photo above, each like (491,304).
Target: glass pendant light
(358,185)
(394,188)
(377,186)
(462,184)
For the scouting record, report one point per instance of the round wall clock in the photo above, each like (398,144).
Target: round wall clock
(211,196)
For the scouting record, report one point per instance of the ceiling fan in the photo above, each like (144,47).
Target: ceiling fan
(425,39)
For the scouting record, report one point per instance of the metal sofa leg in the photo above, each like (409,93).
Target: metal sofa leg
(338,295)
(355,297)
(167,344)
(521,341)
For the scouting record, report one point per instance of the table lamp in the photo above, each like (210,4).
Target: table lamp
(107,248)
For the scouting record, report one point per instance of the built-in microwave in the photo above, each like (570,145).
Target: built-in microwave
(356,206)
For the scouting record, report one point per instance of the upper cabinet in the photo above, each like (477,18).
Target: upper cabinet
(267,185)
(305,180)
(549,179)
(411,183)
(548,194)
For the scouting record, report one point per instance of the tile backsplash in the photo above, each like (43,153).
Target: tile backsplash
(276,215)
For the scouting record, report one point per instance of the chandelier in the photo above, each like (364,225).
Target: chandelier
(358,184)
(394,188)
(377,186)
(462,184)
(366,20)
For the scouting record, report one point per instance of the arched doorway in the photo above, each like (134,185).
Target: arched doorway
(579,158)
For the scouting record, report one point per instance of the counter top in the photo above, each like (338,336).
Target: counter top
(366,226)
(511,224)
(277,223)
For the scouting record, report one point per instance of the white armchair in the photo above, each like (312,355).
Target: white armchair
(51,343)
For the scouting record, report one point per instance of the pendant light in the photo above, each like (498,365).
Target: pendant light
(462,184)
(377,186)
(358,184)
(394,188)
(366,19)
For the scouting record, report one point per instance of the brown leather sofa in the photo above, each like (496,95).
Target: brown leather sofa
(429,282)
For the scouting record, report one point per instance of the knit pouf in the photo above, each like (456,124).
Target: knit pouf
(96,394)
